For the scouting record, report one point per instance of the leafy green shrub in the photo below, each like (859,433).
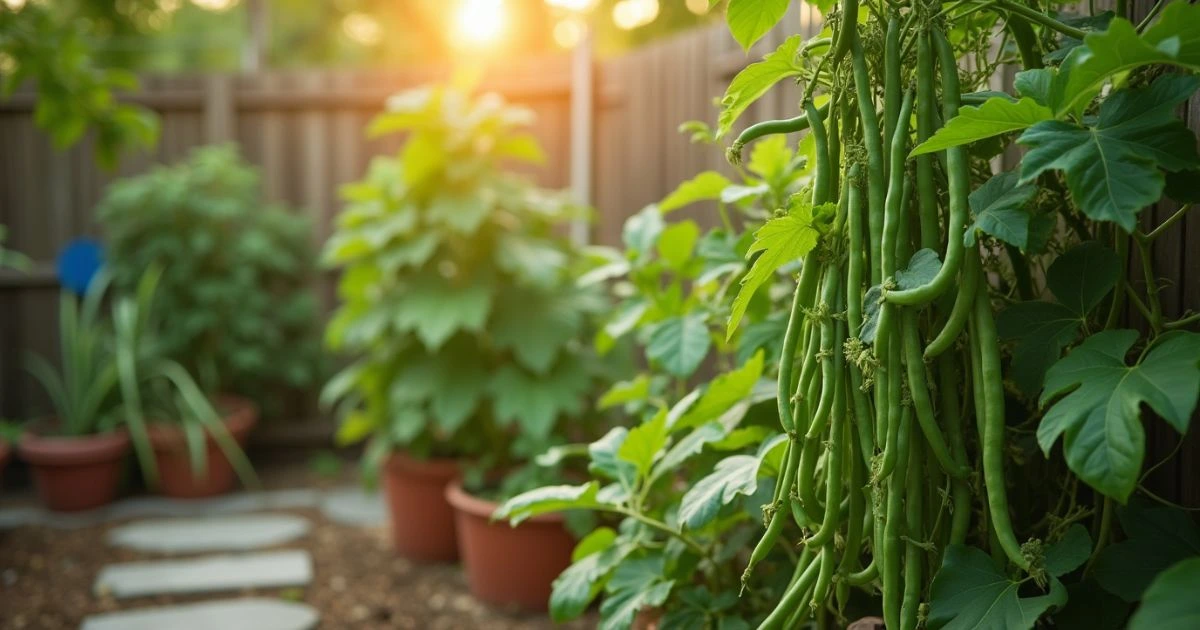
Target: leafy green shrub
(688,482)
(458,299)
(235,286)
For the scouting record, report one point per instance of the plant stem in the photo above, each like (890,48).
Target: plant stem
(1118,299)
(1150,16)
(658,525)
(1102,535)
(1033,15)
(1155,317)
(1183,323)
(1166,225)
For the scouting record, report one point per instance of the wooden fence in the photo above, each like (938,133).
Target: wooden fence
(305,131)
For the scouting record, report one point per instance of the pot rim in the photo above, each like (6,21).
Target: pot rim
(468,503)
(242,415)
(42,450)
(400,461)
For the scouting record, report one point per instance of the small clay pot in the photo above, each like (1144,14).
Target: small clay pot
(422,520)
(508,565)
(75,473)
(175,478)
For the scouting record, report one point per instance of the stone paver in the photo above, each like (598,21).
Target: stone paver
(269,569)
(354,506)
(206,534)
(232,614)
(152,506)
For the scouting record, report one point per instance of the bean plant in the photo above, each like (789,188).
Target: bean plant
(957,315)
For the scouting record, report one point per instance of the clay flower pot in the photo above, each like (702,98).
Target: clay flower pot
(422,520)
(75,473)
(175,478)
(508,565)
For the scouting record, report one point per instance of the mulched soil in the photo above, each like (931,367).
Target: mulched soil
(359,582)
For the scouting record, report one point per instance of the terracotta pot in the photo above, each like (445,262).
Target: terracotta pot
(174,463)
(422,520)
(508,565)
(75,473)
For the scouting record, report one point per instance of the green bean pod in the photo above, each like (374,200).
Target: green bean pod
(893,523)
(926,189)
(960,492)
(913,560)
(796,593)
(918,389)
(958,178)
(992,438)
(964,303)
(876,178)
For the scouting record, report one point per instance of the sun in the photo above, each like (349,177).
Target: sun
(480,22)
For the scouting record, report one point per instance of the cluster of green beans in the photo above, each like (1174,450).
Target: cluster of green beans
(880,474)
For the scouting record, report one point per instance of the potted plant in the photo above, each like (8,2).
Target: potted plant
(234,295)
(459,308)
(77,453)
(189,446)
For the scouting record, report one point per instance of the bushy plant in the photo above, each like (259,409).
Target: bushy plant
(236,272)
(458,303)
(686,485)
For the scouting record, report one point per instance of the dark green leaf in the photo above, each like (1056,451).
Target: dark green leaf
(1158,537)
(636,584)
(1069,553)
(969,592)
(734,476)
(1171,601)
(575,588)
(994,117)
(1112,167)
(1099,412)
(922,268)
(999,209)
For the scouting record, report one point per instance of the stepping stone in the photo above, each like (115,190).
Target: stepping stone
(230,614)
(354,506)
(221,533)
(268,569)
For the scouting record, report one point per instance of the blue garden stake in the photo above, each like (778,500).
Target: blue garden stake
(78,263)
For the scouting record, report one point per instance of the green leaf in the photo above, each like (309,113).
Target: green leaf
(458,393)
(1172,40)
(922,268)
(641,231)
(548,499)
(771,158)
(604,461)
(703,187)
(595,541)
(1035,84)
(435,309)
(1090,607)
(535,326)
(1099,413)
(540,262)
(781,240)
(1158,537)
(690,445)
(994,117)
(733,476)
(755,79)
(679,344)
(721,394)
(575,588)
(535,402)
(970,592)
(999,210)
(677,242)
(1079,278)
(644,442)
(1113,167)
(623,392)
(1069,553)
(1171,602)
(635,584)
(749,20)
(460,213)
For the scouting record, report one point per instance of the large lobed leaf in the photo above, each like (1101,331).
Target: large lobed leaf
(1171,602)
(1114,167)
(969,592)
(1099,413)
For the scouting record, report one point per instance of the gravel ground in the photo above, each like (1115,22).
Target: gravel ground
(359,582)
